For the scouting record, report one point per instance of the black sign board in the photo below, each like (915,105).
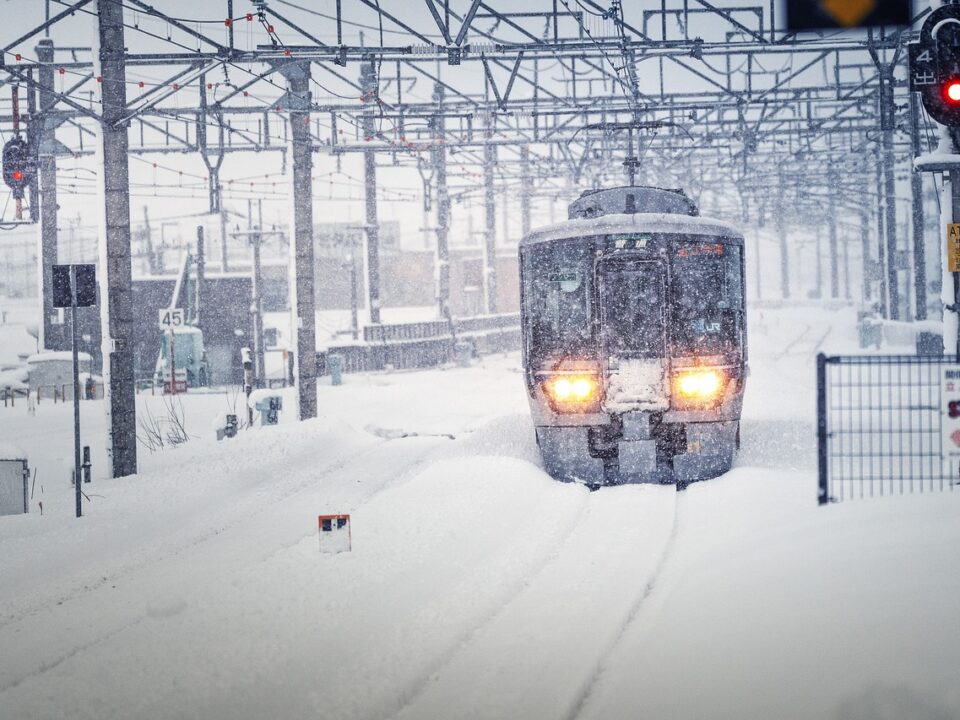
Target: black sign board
(935,65)
(86,285)
(839,14)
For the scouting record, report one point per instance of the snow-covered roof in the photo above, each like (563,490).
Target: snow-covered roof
(639,222)
(59,355)
(15,378)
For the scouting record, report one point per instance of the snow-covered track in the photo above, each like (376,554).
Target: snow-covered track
(538,656)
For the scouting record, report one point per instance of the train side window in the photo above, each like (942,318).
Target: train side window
(734,279)
(557,282)
(707,287)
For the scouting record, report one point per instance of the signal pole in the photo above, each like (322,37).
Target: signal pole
(933,62)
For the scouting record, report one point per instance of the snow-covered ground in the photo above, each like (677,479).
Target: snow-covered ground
(477,587)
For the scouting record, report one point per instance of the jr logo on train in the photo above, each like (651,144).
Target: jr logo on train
(634,339)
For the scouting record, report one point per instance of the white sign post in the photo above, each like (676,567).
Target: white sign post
(171,319)
(950,416)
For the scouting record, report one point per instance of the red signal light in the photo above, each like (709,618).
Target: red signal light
(951,91)
(17,175)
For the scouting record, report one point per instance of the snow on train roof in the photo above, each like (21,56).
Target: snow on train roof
(646,222)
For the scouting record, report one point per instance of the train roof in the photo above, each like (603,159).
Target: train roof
(637,222)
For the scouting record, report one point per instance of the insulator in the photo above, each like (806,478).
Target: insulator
(424,49)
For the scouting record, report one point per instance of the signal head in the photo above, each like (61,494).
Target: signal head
(951,91)
(17,167)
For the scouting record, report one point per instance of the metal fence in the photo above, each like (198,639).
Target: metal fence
(419,345)
(880,425)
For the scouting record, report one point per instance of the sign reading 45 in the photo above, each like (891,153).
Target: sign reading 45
(171,318)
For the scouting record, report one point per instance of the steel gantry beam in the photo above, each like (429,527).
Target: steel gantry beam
(730,100)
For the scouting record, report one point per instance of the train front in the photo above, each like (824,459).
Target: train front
(634,342)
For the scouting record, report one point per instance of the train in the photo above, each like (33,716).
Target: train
(633,321)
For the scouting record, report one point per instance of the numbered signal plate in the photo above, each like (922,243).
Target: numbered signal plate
(171,318)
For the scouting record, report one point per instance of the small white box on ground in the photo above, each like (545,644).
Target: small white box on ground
(334,533)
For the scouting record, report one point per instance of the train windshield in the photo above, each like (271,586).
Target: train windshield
(557,286)
(707,288)
(631,308)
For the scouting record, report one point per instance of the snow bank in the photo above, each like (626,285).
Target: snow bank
(769,606)
(9,451)
(263,394)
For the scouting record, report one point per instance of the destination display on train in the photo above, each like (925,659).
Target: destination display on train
(631,241)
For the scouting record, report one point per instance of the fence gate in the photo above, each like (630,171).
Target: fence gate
(887,425)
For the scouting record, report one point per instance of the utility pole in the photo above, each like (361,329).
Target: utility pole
(865,250)
(47,171)
(116,277)
(490,226)
(256,309)
(887,120)
(524,190)
(225,260)
(832,229)
(881,274)
(782,235)
(303,265)
(916,196)
(439,160)
(148,241)
(368,81)
(354,294)
(818,258)
(845,259)
(200,314)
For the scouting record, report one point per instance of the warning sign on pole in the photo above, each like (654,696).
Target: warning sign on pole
(950,415)
(953,247)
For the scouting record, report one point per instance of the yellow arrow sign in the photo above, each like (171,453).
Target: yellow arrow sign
(848,13)
(953,247)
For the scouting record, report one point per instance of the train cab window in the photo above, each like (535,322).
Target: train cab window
(707,303)
(631,308)
(557,288)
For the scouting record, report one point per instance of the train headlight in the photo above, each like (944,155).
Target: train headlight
(702,386)
(573,393)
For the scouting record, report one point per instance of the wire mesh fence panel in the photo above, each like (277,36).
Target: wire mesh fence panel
(887,425)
